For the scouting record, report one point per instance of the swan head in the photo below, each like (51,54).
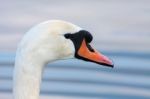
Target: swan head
(55,40)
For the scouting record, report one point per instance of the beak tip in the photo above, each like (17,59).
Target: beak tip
(108,65)
(112,65)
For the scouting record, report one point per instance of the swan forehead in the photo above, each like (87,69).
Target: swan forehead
(46,40)
(57,27)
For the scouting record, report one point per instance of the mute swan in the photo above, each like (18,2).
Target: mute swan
(46,42)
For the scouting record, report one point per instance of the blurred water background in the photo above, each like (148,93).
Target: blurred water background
(121,30)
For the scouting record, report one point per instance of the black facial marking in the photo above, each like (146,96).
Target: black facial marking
(78,37)
(88,37)
(68,35)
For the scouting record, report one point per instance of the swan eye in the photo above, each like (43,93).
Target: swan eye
(67,36)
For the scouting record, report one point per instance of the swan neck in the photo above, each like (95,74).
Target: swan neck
(27,79)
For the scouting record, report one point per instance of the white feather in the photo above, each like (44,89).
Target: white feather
(42,44)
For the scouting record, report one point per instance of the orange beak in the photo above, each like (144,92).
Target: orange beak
(94,56)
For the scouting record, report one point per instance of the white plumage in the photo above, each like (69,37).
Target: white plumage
(43,43)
